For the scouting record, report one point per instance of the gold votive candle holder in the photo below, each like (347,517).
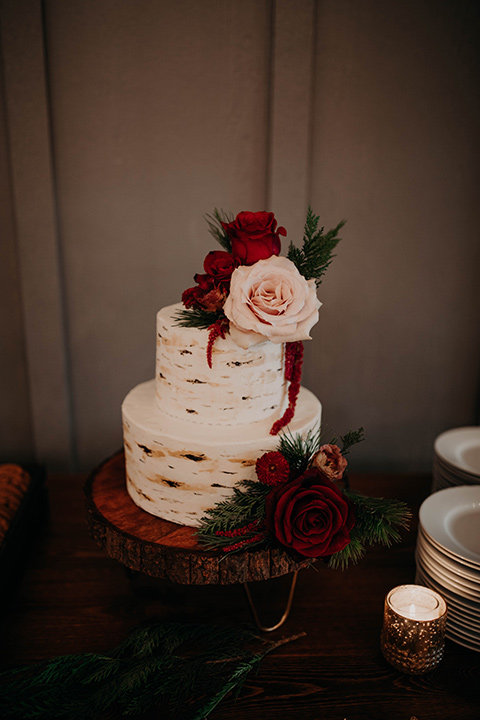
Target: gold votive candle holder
(413,633)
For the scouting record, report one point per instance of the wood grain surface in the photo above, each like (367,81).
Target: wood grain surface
(163,549)
(72,597)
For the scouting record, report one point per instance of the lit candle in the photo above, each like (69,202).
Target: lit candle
(413,634)
(416,602)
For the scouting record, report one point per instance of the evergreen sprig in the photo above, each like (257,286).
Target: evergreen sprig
(352,438)
(245,505)
(214,222)
(197,318)
(378,521)
(314,257)
(298,450)
(180,670)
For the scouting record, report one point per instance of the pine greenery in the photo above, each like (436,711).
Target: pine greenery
(246,505)
(314,257)
(352,438)
(180,670)
(299,451)
(214,222)
(197,318)
(377,522)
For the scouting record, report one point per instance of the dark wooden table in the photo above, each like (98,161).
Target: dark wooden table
(69,597)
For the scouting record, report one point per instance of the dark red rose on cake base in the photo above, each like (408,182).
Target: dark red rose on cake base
(310,515)
(219,265)
(254,236)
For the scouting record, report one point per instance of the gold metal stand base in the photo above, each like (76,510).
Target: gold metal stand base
(286,613)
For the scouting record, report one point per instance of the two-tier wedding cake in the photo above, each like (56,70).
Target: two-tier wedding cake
(228,365)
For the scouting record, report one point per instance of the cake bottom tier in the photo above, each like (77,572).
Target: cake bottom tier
(177,470)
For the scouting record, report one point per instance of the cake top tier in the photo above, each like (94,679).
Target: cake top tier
(242,386)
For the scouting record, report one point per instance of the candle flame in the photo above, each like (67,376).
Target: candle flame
(412,610)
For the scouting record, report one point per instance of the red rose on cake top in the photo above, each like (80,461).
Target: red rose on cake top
(219,265)
(254,236)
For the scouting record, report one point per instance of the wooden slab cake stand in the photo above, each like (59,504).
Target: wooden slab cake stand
(163,549)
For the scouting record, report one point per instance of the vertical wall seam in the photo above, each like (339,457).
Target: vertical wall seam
(16,244)
(270,106)
(312,100)
(36,233)
(67,365)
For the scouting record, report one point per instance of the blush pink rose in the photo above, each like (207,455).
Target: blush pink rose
(270,300)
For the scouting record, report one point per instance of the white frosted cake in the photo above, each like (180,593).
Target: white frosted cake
(228,370)
(193,432)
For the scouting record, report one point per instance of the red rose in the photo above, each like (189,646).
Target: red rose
(219,265)
(310,515)
(254,236)
(205,282)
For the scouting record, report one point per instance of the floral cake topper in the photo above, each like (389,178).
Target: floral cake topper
(250,292)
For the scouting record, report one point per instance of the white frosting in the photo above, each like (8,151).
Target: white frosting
(177,469)
(242,386)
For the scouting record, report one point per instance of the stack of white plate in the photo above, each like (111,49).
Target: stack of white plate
(456,459)
(448,558)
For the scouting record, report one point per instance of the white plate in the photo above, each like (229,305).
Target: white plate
(448,583)
(453,474)
(467,564)
(461,604)
(461,448)
(452,518)
(450,563)
(462,586)
(444,564)
(460,641)
(463,620)
(464,625)
(462,630)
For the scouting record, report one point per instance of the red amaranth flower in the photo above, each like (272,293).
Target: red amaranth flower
(252,526)
(241,543)
(272,468)
(293,373)
(218,329)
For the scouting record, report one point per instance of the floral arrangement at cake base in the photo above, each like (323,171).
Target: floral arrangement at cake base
(301,503)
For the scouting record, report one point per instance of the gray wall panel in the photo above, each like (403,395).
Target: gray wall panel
(157,112)
(396,153)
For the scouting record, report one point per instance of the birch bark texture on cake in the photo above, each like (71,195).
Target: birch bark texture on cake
(193,432)
(228,369)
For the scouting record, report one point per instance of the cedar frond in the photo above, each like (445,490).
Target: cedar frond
(214,222)
(314,257)
(197,318)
